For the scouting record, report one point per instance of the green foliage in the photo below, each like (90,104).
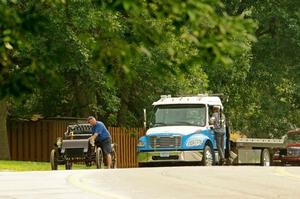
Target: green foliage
(114,58)
(104,55)
(266,102)
(20,74)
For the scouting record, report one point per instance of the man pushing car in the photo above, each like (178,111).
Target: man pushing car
(102,138)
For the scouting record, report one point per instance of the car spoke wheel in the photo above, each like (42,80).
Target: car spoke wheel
(99,158)
(68,165)
(114,159)
(207,156)
(53,159)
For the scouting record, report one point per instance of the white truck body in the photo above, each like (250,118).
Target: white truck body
(180,133)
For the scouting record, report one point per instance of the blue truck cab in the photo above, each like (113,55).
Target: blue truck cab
(180,132)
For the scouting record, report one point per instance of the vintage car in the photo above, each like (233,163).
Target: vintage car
(291,154)
(75,147)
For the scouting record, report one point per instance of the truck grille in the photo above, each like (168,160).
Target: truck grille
(165,141)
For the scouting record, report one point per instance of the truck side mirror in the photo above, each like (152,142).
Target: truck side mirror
(145,119)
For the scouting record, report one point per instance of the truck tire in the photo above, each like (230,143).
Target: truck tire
(265,158)
(207,159)
(99,158)
(53,159)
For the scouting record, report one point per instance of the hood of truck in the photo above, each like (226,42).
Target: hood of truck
(179,130)
(296,144)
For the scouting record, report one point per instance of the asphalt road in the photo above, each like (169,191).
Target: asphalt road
(153,183)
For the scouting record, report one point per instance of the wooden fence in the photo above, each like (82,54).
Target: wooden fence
(33,141)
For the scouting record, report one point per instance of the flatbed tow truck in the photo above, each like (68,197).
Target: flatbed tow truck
(256,150)
(180,133)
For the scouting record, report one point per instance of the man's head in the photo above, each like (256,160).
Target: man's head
(216,108)
(91,120)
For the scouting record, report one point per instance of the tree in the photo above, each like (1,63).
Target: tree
(17,76)
(129,44)
(267,99)
(82,57)
(4,148)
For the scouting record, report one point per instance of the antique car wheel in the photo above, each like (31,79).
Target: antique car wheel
(207,156)
(114,159)
(53,159)
(99,158)
(88,163)
(68,165)
(265,158)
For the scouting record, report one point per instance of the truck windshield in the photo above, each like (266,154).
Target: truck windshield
(293,137)
(180,115)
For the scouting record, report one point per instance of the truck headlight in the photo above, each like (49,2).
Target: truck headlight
(194,142)
(141,144)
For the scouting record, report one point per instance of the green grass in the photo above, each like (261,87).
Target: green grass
(6,165)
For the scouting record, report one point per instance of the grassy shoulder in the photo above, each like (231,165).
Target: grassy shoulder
(6,165)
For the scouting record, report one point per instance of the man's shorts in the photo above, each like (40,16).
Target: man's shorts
(105,145)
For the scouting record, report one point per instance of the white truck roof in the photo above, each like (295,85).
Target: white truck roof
(198,99)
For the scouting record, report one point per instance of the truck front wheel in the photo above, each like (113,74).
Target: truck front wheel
(207,159)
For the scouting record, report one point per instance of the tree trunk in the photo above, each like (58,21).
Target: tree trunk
(4,147)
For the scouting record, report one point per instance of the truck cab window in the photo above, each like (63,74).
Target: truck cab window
(191,115)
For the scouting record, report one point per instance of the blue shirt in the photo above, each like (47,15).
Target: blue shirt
(101,130)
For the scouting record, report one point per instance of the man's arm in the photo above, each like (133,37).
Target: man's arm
(96,132)
(93,137)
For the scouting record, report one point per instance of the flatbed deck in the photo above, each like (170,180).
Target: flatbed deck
(261,143)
